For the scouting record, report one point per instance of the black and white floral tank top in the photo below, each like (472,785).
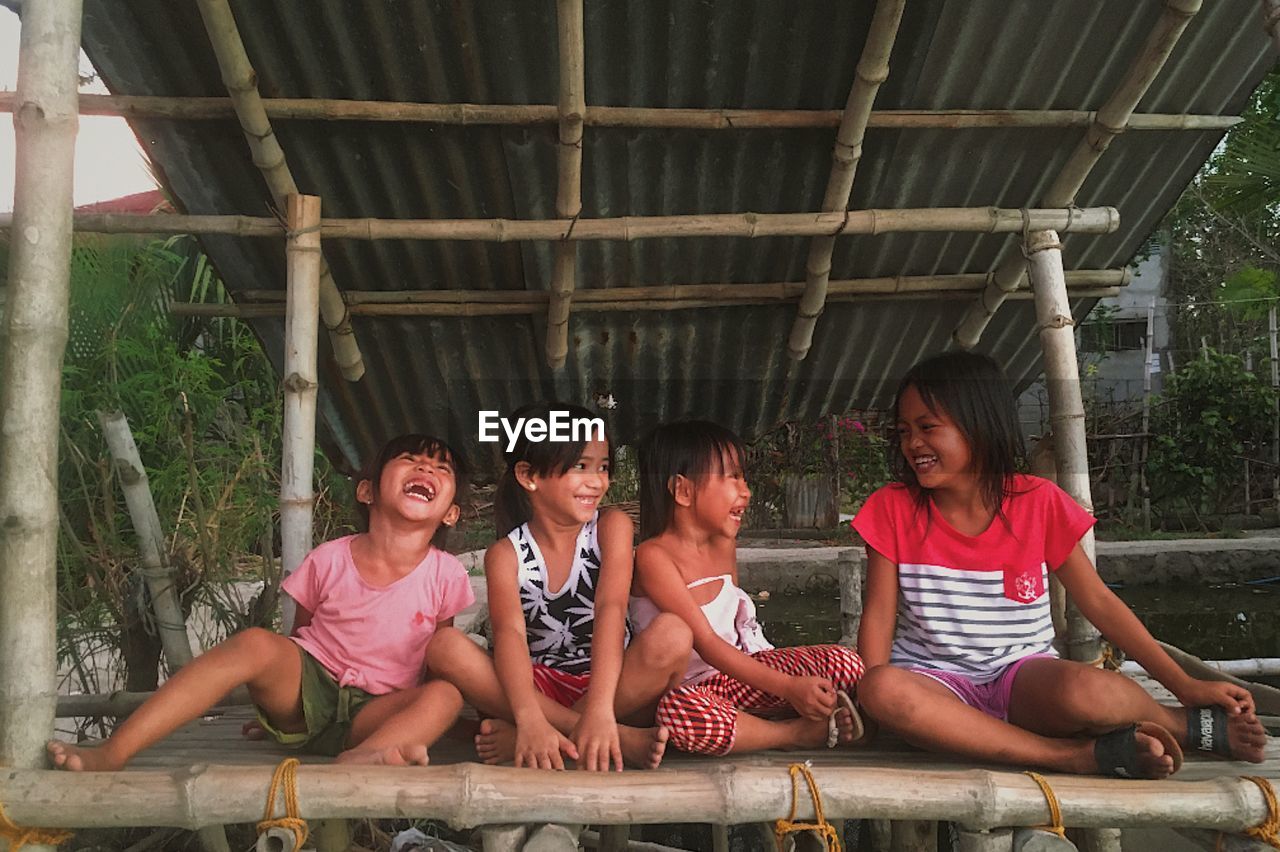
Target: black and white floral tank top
(559,623)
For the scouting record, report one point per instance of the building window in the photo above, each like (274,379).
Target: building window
(1115,335)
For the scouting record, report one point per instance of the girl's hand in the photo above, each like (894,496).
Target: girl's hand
(539,746)
(1203,693)
(812,697)
(596,738)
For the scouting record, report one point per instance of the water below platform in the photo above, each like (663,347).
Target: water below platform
(1214,622)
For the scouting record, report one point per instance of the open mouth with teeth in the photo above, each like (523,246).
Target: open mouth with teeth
(924,464)
(737,514)
(423,491)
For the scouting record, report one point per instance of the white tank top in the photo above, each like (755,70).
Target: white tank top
(731,614)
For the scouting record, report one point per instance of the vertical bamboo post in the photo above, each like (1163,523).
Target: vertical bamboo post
(1066,407)
(614,838)
(849,570)
(156,572)
(302,314)
(1110,122)
(1144,483)
(45,123)
(242,84)
(503,838)
(913,836)
(1275,407)
(572,106)
(872,70)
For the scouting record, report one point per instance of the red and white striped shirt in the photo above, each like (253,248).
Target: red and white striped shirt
(973,604)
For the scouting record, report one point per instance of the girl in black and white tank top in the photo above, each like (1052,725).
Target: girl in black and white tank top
(560,623)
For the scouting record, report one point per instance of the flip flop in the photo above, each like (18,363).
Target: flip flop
(1207,731)
(1117,751)
(833,730)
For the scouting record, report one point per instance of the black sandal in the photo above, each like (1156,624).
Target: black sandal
(1117,752)
(1207,730)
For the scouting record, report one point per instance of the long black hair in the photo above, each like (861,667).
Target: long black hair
(415,443)
(511,506)
(688,448)
(973,391)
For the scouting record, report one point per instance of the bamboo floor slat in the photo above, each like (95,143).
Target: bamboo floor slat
(217,740)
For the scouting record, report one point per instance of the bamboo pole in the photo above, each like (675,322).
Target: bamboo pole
(303,260)
(265,303)
(913,836)
(123,703)
(1108,123)
(1144,483)
(1271,20)
(521,115)
(1066,408)
(469,794)
(1274,339)
(993,840)
(872,70)
(572,104)
(241,81)
(35,322)
(991,220)
(158,575)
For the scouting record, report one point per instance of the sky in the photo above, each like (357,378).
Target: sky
(109,162)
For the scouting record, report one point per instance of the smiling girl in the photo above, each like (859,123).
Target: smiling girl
(567,678)
(956,625)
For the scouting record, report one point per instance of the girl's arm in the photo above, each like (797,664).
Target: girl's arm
(538,744)
(662,582)
(1118,623)
(879,609)
(596,734)
(301,618)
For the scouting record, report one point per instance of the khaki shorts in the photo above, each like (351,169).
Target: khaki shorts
(327,708)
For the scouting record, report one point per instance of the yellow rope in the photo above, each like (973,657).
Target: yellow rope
(1267,831)
(824,829)
(19,836)
(1055,812)
(286,775)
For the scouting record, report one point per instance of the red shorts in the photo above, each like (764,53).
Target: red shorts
(560,686)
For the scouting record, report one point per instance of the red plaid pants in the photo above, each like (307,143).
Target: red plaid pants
(703,717)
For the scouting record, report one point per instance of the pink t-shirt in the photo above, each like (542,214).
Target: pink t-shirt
(973,604)
(369,637)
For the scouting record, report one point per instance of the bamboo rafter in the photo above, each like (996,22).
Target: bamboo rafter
(571,106)
(1109,123)
(522,115)
(872,70)
(469,794)
(268,156)
(992,220)
(1082,284)
(1271,20)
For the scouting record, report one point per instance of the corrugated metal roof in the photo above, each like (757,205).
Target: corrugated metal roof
(728,363)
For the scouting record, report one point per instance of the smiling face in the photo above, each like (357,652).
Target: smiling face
(414,486)
(933,445)
(721,497)
(571,497)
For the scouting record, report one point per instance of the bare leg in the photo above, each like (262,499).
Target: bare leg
(927,714)
(756,734)
(398,728)
(1060,698)
(652,664)
(269,664)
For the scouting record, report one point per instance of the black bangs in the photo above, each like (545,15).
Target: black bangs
(689,448)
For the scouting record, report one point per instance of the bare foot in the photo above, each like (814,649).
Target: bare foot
(74,758)
(496,742)
(1246,739)
(643,748)
(403,755)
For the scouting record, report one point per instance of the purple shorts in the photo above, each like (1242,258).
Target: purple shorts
(991,697)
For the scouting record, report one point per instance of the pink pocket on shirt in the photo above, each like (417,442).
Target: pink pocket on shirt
(1023,584)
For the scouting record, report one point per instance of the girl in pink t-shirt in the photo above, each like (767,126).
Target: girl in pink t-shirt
(956,627)
(349,680)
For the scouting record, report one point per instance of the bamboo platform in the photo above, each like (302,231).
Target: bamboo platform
(208,773)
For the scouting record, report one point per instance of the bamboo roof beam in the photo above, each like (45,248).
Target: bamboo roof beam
(872,70)
(1084,284)
(571,107)
(33,339)
(1109,123)
(520,115)
(469,794)
(992,220)
(242,84)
